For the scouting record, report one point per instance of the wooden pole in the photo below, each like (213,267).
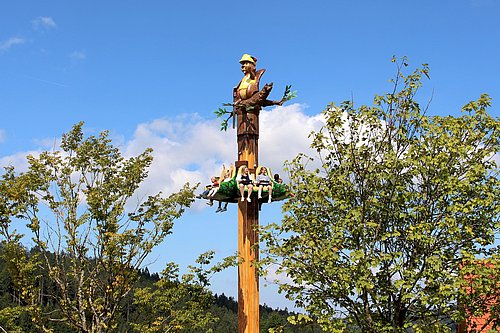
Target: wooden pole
(248,101)
(248,222)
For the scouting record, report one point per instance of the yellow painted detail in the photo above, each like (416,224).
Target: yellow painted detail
(242,88)
(247,57)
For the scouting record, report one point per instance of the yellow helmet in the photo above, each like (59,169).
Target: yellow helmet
(249,58)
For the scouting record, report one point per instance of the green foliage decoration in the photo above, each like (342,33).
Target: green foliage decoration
(221,112)
(288,94)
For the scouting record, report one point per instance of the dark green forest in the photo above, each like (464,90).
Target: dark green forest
(15,317)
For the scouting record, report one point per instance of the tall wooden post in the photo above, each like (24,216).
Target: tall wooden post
(248,101)
(248,222)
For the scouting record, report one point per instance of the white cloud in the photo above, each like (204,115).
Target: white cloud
(184,150)
(17,160)
(49,144)
(191,149)
(44,22)
(7,44)
(195,150)
(78,55)
(272,276)
(284,133)
(2,135)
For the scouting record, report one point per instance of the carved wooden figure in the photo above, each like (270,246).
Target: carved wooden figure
(248,101)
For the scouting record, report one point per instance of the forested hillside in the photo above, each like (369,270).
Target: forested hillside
(15,317)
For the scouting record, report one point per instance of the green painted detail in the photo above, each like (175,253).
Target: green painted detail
(229,189)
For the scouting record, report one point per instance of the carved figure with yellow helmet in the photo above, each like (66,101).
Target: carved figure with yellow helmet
(249,85)
(248,100)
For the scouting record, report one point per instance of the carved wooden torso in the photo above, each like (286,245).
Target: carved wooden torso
(247,87)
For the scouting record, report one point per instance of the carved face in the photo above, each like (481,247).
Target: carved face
(247,67)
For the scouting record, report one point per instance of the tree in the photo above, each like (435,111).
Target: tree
(89,243)
(375,236)
(174,305)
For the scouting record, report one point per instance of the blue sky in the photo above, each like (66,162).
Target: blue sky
(153,72)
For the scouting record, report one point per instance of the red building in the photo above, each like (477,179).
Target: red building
(483,295)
